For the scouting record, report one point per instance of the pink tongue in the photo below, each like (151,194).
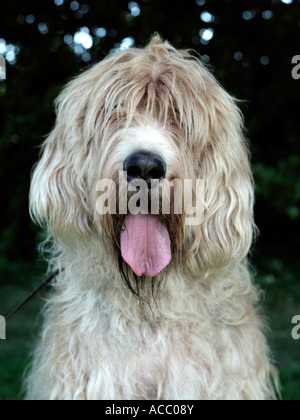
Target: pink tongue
(145,244)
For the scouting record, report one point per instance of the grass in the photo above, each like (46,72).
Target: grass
(282,295)
(281,308)
(21,331)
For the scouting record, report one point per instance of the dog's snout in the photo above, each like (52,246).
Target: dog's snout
(144,165)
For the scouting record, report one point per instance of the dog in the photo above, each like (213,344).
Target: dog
(148,306)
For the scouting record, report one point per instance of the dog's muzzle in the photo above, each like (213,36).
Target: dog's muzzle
(145,241)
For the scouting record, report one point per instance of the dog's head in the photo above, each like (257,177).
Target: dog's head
(148,117)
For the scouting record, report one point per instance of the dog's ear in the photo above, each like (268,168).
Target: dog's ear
(57,195)
(226,233)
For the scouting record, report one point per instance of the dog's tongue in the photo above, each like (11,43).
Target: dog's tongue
(145,244)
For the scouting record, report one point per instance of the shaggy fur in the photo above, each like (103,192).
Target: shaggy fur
(193,332)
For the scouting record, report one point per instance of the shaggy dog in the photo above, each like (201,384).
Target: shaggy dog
(148,306)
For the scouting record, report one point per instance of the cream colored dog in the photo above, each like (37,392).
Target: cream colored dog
(148,306)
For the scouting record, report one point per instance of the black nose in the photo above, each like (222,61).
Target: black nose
(144,165)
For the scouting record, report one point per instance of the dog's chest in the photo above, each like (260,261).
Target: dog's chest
(150,359)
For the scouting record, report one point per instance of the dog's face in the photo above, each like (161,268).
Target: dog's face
(155,115)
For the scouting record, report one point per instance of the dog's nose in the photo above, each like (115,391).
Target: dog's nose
(144,165)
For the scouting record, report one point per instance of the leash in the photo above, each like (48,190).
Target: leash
(33,293)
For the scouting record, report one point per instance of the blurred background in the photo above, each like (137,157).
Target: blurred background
(249,45)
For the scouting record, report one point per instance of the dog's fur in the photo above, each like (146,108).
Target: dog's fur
(195,333)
